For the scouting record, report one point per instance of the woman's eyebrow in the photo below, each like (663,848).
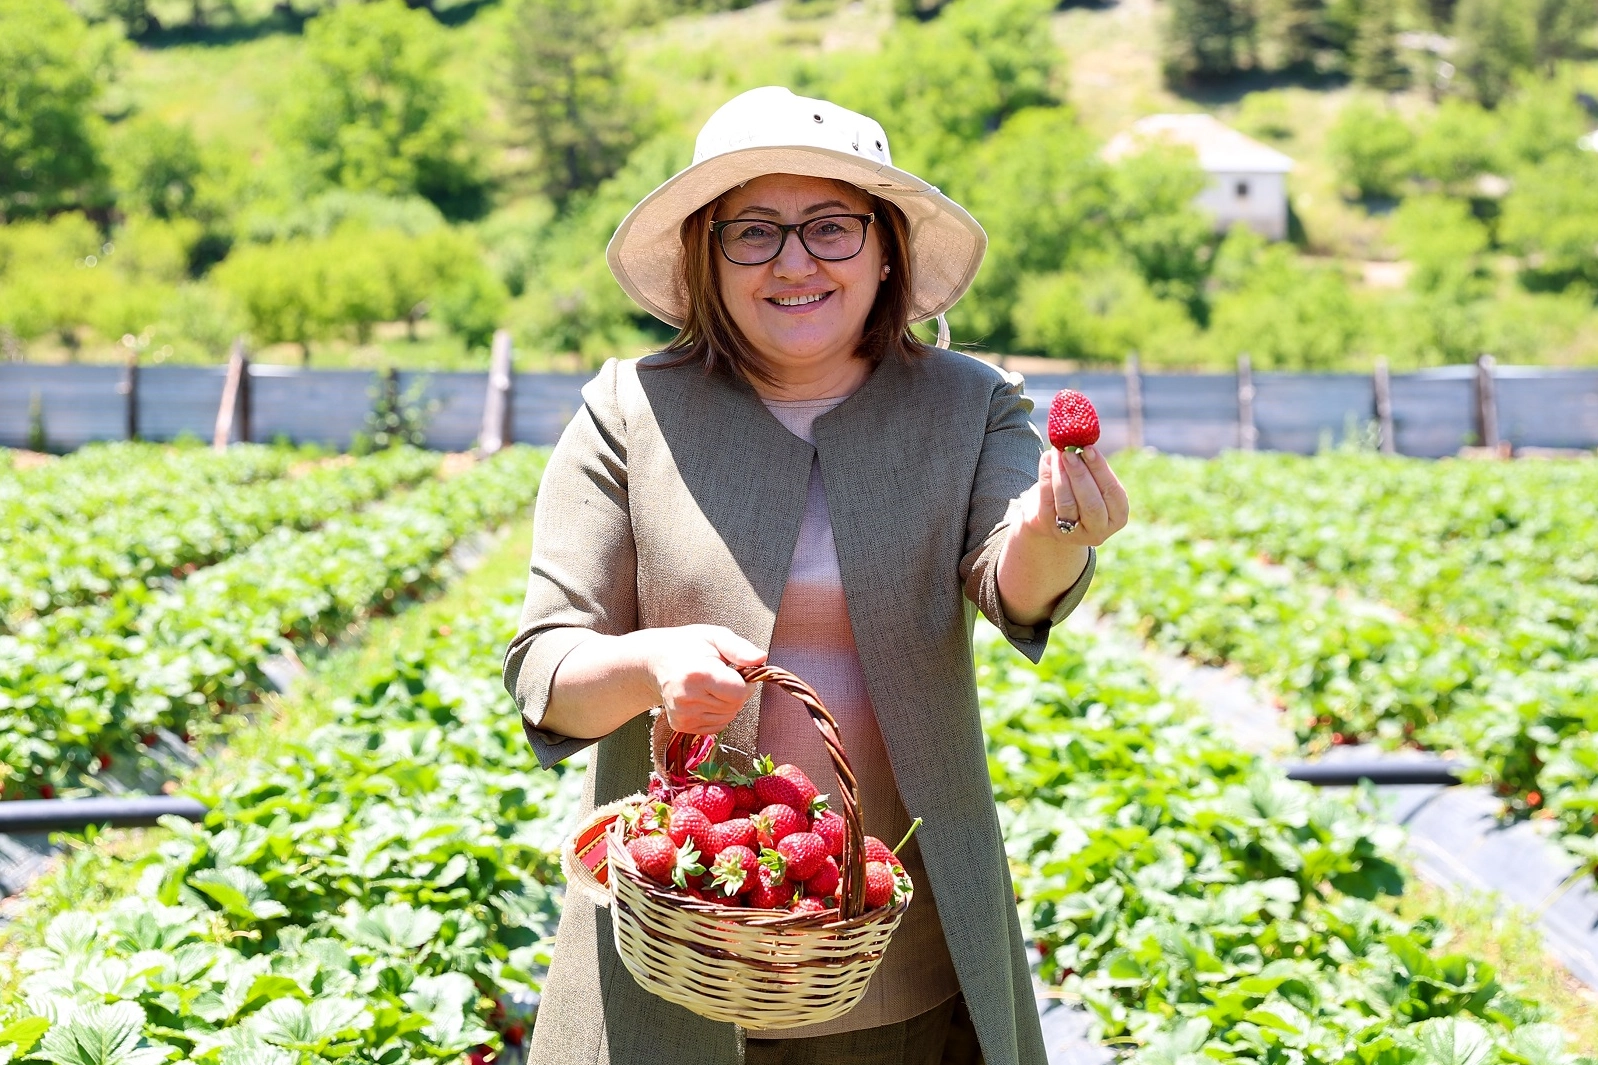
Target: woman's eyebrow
(812,209)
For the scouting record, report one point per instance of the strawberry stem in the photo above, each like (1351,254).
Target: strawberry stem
(913,826)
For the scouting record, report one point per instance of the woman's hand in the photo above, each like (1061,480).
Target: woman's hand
(693,670)
(1075,488)
(1041,561)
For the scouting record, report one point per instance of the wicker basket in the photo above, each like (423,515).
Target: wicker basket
(760,969)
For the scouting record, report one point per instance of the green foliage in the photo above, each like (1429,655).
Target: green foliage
(373,110)
(1377,62)
(942,86)
(1157,225)
(472,306)
(1285,314)
(1559,26)
(1456,144)
(1540,120)
(1370,145)
(322,215)
(1443,242)
(1100,312)
(1496,40)
(1206,39)
(1552,217)
(50,135)
(1266,115)
(303,289)
(158,167)
(567,87)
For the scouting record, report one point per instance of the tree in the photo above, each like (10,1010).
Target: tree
(374,110)
(1370,146)
(1443,243)
(568,88)
(940,87)
(1458,144)
(1286,315)
(1206,39)
(1100,311)
(1496,39)
(1377,62)
(1551,217)
(1559,26)
(158,167)
(50,154)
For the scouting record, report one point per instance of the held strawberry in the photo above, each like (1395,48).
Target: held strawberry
(1072,420)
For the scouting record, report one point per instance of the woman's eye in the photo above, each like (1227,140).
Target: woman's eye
(827,230)
(755,234)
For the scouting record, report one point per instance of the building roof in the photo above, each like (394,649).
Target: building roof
(1220,148)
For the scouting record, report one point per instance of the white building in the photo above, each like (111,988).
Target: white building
(1248,180)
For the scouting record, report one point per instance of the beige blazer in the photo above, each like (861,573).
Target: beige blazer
(675,498)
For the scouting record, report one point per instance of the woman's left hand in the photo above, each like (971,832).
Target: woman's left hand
(1079,489)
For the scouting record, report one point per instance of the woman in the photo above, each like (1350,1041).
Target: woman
(796,476)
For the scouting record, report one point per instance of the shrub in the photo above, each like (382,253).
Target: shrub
(1370,146)
(1102,312)
(1458,143)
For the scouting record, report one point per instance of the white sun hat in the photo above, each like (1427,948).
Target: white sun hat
(772,131)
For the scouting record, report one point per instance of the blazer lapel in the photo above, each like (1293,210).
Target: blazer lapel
(756,512)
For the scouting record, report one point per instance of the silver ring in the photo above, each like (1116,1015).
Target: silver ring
(1063,525)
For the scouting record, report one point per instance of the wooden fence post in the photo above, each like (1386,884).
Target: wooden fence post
(129,388)
(1486,402)
(1134,402)
(497,405)
(1382,385)
(232,387)
(1248,434)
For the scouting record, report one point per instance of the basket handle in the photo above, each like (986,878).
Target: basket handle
(682,752)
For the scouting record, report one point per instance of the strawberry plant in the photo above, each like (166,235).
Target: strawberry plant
(87,681)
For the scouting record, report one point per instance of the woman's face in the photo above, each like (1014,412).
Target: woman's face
(804,315)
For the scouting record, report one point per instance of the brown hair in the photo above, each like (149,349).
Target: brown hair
(711,338)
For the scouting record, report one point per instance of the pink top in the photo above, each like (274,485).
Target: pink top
(813,640)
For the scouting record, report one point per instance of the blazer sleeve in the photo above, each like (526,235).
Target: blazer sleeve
(1007,467)
(582,580)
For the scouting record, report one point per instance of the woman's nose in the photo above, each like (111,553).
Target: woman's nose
(793,260)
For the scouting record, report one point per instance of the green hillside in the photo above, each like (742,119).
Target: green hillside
(386,182)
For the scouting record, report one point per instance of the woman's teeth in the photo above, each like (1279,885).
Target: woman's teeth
(798,301)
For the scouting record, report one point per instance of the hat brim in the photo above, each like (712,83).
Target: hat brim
(946,243)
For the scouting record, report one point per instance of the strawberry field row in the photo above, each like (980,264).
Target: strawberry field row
(1204,908)
(138,477)
(371,892)
(127,550)
(111,674)
(1519,698)
(360,895)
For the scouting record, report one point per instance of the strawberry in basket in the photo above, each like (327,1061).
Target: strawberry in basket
(762,841)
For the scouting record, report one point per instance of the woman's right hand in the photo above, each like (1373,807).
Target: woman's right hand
(693,669)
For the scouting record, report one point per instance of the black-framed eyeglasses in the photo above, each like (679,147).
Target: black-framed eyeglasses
(831,238)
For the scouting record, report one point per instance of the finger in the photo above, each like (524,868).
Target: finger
(734,649)
(1116,503)
(1064,498)
(1090,503)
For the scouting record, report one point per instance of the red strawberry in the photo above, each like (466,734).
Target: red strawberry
(655,855)
(824,881)
(877,851)
(773,787)
(809,904)
(879,884)
(735,831)
(829,826)
(713,800)
(804,852)
(1072,420)
(735,870)
(46,791)
(744,799)
(776,822)
(796,776)
(771,891)
(690,823)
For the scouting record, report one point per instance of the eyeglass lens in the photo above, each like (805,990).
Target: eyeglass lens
(833,237)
